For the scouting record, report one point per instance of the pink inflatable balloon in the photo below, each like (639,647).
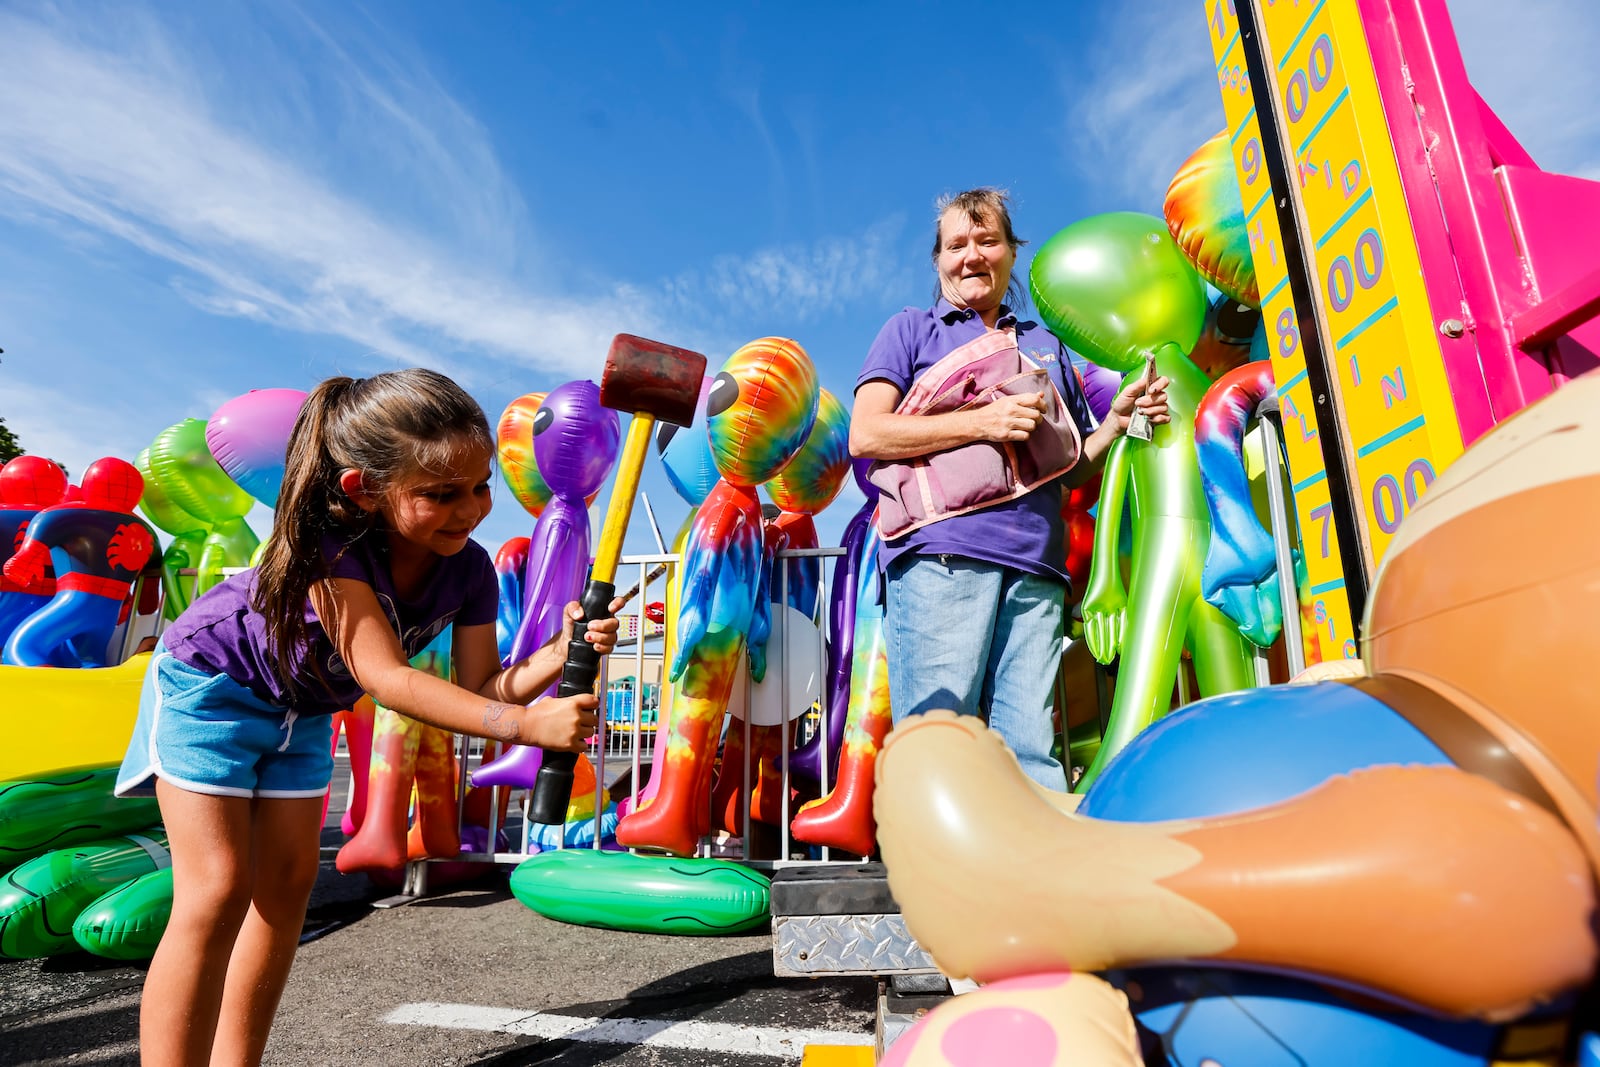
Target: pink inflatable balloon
(249,436)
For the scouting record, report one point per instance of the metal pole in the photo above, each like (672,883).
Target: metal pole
(1282,543)
(635,766)
(783,709)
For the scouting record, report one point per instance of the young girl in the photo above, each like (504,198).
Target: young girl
(369,560)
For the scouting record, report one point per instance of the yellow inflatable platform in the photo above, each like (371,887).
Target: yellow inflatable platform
(57,718)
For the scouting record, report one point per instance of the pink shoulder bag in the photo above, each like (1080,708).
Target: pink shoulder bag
(926,489)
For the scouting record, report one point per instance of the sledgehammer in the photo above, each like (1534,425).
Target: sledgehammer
(652,381)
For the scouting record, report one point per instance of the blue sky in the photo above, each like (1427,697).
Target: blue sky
(201,199)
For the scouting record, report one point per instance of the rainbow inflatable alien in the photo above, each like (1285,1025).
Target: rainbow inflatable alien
(685,454)
(806,485)
(760,412)
(843,818)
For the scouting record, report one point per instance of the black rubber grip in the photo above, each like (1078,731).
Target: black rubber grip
(552,789)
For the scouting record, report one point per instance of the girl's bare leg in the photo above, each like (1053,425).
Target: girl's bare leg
(284,841)
(210,838)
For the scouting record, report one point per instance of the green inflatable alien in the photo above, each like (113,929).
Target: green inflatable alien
(188,495)
(188,537)
(1116,288)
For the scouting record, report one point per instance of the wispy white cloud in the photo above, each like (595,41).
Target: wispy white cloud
(802,281)
(331,186)
(1140,100)
(117,136)
(1535,65)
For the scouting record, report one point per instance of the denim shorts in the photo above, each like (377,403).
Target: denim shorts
(206,733)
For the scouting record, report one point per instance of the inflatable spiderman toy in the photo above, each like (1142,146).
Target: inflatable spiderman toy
(99,548)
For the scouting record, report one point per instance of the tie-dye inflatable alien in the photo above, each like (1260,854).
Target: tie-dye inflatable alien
(760,412)
(510,568)
(803,488)
(514,449)
(843,818)
(1205,216)
(574,445)
(1240,577)
(685,454)
(807,761)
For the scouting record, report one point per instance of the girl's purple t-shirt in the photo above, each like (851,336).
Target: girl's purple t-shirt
(220,632)
(1026,533)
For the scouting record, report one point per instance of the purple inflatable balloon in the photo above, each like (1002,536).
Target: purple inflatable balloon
(249,437)
(574,444)
(1100,386)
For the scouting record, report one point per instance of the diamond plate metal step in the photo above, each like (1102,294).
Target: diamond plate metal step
(840,919)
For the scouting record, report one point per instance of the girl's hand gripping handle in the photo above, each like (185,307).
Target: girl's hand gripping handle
(552,789)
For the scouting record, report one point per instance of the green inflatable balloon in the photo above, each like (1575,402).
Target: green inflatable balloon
(40,900)
(159,507)
(187,479)
(650,894)
(188,537)
(192,479)
(1116,287)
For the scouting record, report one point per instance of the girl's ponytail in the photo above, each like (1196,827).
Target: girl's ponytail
(310,506)
(388,427)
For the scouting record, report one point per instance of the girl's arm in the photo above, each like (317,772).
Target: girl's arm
(477,657)
(365,640)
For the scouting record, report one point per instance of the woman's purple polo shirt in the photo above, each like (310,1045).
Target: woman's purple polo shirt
(1027,533)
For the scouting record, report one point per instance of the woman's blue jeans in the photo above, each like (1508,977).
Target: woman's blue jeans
(971,636)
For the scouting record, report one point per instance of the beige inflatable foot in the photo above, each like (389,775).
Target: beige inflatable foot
(1436,887)
(995,881)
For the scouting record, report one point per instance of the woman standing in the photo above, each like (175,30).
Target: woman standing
(975,591)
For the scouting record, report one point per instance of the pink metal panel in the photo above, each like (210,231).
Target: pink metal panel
(1557,219)
(1449,144)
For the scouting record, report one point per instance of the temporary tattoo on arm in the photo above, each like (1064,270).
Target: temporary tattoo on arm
(496,725)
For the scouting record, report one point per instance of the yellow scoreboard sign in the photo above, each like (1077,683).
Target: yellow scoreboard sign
(1347,314)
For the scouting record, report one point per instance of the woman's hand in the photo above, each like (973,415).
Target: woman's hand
(1135,397)
(1010,418)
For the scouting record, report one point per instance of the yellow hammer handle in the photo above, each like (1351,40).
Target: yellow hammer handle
(619,509)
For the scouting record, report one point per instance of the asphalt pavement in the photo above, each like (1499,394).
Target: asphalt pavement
(467,976)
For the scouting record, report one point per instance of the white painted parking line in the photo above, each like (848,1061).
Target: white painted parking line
(658,1033)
